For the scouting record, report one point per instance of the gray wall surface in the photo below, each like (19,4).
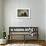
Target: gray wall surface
(45,19)
(0,18)
(37,14)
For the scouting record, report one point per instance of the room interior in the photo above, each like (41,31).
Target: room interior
(22,30)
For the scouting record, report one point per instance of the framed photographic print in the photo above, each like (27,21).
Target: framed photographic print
(23,13)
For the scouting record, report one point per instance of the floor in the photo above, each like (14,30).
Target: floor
(21,45)
(25,43)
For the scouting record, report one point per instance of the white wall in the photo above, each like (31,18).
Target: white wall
(0,18)
(45,19)
(37,15)
(0,11)
(10,13)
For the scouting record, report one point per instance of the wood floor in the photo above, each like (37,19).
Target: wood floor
(40,42)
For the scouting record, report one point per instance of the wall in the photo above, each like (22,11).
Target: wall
(0,18)
(45,19)
(37,15)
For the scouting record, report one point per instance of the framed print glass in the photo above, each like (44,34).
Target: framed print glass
(23,13)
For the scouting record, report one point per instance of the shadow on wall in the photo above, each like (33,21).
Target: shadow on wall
(1,34)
